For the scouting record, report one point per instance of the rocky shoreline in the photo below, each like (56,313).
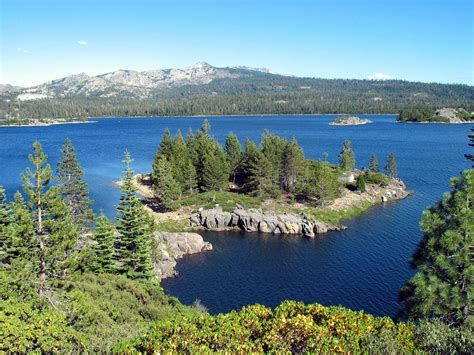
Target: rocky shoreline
(256,220)
(170,247)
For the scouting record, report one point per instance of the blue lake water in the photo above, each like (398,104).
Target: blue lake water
(360,268)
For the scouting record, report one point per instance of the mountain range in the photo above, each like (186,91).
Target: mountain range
(203,89)
(130,83)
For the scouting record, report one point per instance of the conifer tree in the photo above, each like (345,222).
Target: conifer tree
(134,242)
(272,147)
(293,164)
(443,286)
(167,189)
(104,259)
(233,150)
(166,145)
(183,170)
(346,157)
(361,183)
(391,167)
(321,185)
(374,164)
(55,231)
(73,188)
(257,171)
(215,169)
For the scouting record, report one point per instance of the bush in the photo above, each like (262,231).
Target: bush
(227,200)
(376,178)
(291,327)
(105,308)
(25,328)
(436,337)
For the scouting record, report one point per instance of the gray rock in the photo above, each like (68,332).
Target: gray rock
(174,246)
(255,220)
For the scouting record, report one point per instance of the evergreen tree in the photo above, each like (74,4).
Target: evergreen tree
(55,231)
(183,170)
(321,185)
(166,145)
(215,169)
(443,287)
(167,189)
(16,232)
(272,147)
(346,157)
(391,167)
(374,164)
(233,150)
(361,183)
(73,187)
(293,164)
(257,172)
(134,242)
(104,260)
(206,126)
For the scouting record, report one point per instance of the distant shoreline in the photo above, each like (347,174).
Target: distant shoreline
(45,124)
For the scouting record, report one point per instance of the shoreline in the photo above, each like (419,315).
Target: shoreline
(45,124)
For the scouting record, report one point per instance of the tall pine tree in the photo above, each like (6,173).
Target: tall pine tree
(293,164)
(233,150)
(373,164)
(73,188)
(55,231)
(443,286)
(104,259)
(135,240)
(346,157)
(391,167)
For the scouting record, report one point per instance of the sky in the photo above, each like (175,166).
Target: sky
(416,40)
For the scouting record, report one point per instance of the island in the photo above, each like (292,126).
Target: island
(442,115)
(196,183)
(349,121)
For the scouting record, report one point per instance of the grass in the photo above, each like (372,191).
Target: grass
(227,200)
(170,225)
(335,217)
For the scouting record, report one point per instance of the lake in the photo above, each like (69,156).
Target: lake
(362,267)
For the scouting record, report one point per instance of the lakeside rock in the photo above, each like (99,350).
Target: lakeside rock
(255,220)
(453,115)
(173,246)
(349,121)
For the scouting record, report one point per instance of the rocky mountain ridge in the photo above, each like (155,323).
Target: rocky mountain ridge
(130,83)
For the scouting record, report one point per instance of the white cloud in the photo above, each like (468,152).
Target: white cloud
(83,43)
(22,50)
(380,76)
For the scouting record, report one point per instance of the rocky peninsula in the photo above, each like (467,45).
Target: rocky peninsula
(349,121)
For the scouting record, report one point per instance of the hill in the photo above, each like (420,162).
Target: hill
(206,90)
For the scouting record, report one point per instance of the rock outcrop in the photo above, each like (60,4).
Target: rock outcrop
(454,115)
(173,246)
(349,121)
(255,220)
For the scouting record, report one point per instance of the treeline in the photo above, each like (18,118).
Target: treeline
(198,163)
(356,97)
(71,281)
(427,115)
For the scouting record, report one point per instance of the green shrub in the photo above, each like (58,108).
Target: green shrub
(436,337)
(376,178)
(291,327)
(25,328)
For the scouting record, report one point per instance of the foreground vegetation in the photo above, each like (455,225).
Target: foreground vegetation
(296,328)
(70,285)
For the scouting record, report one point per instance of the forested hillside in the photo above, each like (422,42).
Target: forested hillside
(241,92)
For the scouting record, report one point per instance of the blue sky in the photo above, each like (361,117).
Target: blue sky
(419,40)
